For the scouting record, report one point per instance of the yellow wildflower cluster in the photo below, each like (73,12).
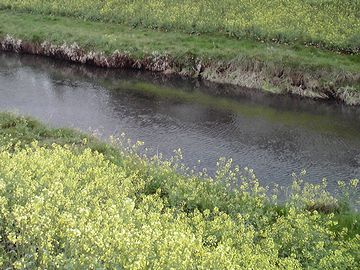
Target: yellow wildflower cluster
(334,24)
(67,209)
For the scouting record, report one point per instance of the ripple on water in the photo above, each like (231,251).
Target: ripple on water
(274,135)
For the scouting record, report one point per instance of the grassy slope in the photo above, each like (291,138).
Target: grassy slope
(110,37)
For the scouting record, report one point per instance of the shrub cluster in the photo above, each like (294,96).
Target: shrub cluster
(331,24)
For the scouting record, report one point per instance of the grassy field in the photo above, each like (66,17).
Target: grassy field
(70,201)
(331,24)
(107,37)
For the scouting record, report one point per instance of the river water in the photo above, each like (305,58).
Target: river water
(274,135)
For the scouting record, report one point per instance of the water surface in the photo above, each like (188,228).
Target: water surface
(273,135)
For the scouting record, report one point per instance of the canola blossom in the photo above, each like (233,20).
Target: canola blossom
(331,24)
(62,208)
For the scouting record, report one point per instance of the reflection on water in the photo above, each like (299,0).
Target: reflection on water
(273,135)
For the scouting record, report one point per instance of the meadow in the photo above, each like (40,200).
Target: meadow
(331,24)
(69,201)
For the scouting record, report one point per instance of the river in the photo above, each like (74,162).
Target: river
(274,135)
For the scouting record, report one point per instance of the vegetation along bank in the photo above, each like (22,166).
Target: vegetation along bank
(69,201)
(308,48)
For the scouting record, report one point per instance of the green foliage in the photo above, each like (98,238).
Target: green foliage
(332,24)
(71,207)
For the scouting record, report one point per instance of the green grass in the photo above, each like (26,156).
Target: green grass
(332,24)
(26,130)
(108,37)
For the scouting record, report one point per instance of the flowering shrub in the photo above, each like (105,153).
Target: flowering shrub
(333,24)
(74,209)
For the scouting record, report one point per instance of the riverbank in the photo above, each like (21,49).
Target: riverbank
(277,68)
(72,201)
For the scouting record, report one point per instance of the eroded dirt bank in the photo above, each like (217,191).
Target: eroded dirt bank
(242,72)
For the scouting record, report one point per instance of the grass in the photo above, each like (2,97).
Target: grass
(75,202)
(331,24)
(108,37)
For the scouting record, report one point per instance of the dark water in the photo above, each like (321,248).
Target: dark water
(273,135)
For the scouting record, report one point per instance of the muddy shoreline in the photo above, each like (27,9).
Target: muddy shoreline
(240,72)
